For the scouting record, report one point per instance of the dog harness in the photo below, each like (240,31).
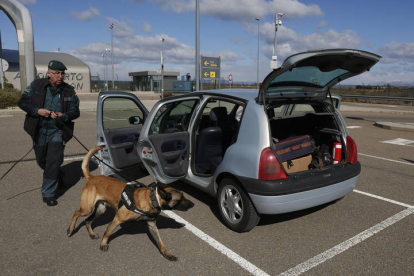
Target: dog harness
(127,198)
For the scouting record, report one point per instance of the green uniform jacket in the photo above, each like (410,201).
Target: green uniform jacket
(34,99)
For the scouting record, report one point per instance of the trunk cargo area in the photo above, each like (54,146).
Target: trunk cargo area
(323,134)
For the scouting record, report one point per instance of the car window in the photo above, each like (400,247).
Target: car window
(296,109)
(117,111)
(173,117)
(278,111)
(218,103)
(335,101)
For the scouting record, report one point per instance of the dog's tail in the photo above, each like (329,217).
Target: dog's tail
(85,163)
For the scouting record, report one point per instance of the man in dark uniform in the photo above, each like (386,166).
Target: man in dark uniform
(51,105)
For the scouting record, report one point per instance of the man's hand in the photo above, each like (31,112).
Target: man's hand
(57,115)
(44,112)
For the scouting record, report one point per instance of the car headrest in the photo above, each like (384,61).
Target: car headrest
(218,114)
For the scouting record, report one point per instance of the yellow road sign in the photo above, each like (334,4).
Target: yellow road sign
(212,74)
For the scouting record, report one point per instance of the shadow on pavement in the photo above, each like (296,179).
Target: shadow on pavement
(408,160)
(72,174)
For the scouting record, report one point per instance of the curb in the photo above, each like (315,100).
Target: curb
(395,126)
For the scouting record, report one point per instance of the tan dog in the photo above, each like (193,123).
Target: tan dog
(103,191)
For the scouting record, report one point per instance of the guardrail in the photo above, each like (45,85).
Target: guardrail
(383,98)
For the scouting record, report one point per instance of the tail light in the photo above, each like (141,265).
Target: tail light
(269,166)
(352,150)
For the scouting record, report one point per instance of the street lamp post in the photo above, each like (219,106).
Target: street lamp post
(103,60)
(111,26)
(278,22)
(106,67)
(258,26)
(162,68)
(197,50)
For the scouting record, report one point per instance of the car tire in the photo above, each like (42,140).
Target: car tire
(236,209)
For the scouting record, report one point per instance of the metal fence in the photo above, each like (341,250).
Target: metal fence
(379,98)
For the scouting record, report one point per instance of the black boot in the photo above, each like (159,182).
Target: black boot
(50,201)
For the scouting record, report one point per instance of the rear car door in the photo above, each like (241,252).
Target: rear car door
(120,118)
(164,144)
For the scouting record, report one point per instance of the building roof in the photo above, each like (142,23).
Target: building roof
(153,73)
(43,58)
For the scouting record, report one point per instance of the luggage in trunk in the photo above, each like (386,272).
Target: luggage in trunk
(293,147)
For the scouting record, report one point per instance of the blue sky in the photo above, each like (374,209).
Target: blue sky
(227,28)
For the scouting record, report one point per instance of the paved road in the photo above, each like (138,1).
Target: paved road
(369,232)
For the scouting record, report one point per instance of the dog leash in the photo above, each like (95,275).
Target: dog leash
(1,178)
(65,128)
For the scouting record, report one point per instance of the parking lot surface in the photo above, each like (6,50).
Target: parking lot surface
(368,232)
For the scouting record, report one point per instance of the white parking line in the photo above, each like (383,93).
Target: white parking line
(386,159)
(73,158)
(330,253)
(352,127)
(400,142)
(254,270)
(383,198)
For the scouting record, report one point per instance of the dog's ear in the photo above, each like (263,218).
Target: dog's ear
(164,194)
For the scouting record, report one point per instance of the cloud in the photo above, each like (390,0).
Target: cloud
(28,2)
(144,53)
(243,10)
(147,28)
(394,52)
(142,49)
(86,15)
(121,28)
(322,24)
(289,42)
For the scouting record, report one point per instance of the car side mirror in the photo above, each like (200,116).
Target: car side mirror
(135,120)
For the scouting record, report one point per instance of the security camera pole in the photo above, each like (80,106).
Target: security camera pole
(1,65)
(278,22)
(162,68)
(111,26)
(258,34)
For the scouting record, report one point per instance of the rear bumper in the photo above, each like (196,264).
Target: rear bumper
(302,190)
(303,200)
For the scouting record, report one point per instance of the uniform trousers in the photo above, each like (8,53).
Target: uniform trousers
(49,150)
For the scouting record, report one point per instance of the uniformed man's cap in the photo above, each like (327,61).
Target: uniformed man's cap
(57,65)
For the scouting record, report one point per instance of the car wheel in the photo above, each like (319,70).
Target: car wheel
(236,209)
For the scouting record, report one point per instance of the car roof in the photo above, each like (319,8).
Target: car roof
(245,94)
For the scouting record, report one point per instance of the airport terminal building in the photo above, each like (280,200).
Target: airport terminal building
(78,74)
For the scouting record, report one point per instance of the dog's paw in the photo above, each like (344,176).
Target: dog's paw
(104,248)
(69,233)
(171,257)
(94,236)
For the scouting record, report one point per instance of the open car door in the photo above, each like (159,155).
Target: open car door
(164,144)
(120,118)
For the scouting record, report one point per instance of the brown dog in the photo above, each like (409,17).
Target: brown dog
(103,191)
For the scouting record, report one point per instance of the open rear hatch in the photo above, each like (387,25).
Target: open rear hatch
(311,74)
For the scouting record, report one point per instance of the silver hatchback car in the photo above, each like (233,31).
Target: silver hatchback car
(280,149)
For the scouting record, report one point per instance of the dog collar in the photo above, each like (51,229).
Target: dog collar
(153,197)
